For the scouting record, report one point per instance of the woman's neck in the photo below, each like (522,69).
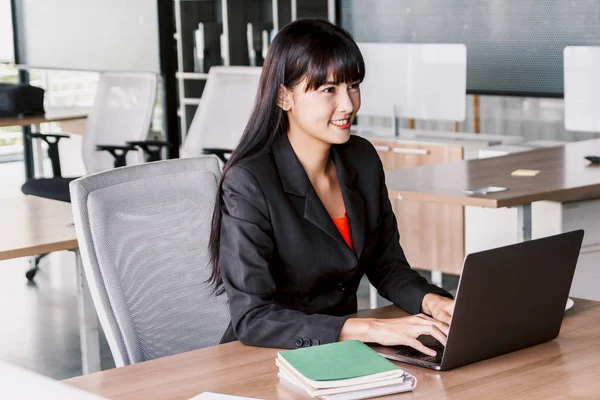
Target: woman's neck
(313,154)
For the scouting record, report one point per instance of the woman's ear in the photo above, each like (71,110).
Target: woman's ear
(283,98)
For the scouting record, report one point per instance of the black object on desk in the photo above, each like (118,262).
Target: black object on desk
(593,159)
(20,99)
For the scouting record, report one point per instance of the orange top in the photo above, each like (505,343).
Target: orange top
(344,228)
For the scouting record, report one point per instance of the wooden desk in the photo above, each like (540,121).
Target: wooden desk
(564,176)
(52,115)
(562,368)
(32,226)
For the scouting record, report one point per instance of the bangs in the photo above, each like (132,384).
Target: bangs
(336,60)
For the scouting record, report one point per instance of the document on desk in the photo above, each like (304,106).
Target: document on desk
(484,190)
(525,172)
(219,396)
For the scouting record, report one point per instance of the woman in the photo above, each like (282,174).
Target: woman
(303,212)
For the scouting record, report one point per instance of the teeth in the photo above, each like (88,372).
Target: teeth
(340,122)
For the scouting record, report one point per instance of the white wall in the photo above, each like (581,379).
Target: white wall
(6,35)
(96,35)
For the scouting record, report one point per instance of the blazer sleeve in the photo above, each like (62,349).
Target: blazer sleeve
(246,260)
(390,272)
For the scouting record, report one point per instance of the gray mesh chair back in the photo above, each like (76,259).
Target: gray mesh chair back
(143,234)
(224,110)
(122,112)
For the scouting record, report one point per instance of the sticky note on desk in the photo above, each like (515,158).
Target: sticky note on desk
(525,172)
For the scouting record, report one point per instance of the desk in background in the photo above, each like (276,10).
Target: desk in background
(52,115)
(32,226)
(565,177)
(471,142)
(562,368)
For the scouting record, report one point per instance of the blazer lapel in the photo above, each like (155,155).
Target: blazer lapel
(353,200)
(296,182)
(315,213)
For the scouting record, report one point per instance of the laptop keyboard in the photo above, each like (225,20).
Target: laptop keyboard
(428,341)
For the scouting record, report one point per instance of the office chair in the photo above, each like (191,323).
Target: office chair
(224,110)
(222,115)
(122,111)
(143,233)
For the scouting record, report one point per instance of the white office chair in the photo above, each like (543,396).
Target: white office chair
(224,110)
(143,233)
(122,112)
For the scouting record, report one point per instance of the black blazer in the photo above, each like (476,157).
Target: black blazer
(287,271)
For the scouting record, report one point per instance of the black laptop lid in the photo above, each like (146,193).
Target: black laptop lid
(511,297)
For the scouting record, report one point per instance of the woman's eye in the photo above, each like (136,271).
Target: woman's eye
(354,86)
(330,89)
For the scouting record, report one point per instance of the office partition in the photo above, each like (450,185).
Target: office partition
(582,88)
(421,81)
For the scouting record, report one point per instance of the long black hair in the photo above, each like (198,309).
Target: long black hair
(311,49)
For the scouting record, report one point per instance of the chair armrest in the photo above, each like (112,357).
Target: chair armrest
(161,143)
(152,148)
(51,140)
(118,152)
(44,136)
(218,152)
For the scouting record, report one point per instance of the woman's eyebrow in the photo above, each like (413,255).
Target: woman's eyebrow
(335,83)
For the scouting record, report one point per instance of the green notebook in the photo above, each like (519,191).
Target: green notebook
(335,361)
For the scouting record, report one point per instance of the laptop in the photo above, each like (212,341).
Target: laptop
(507,299)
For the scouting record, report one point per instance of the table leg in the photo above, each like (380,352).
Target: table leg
(372,297)
(88,322)
(524,222)
(28,153)
(436,278)
(38,153)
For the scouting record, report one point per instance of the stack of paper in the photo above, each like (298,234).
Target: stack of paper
(343,371)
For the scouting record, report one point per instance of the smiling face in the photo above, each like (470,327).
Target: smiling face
(325,113)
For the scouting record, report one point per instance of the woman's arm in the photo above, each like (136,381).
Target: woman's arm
(246,260)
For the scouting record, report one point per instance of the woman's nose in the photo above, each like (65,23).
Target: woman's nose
(345,102)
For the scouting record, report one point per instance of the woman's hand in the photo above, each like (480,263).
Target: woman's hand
(440,308)
(396,331)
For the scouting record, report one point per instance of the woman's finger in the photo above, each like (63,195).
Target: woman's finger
(423,316)
(443,316)
(437,334)
(415,344)
(449,307)
(423,319)
(426,320)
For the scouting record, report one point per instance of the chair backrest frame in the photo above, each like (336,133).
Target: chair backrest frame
(227,102)
(109,289)
(122,111)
